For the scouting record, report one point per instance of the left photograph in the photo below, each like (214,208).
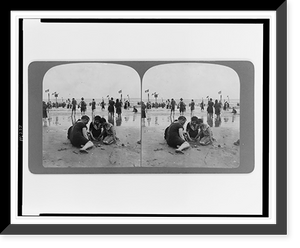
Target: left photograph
(91,116)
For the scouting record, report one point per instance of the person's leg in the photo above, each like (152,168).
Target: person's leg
(205,141)
(198,137)
(88,145)
(108,140)
(171,115)
(182,147)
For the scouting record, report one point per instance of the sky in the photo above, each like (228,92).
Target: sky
(92,80)
(191,81)
(186,80)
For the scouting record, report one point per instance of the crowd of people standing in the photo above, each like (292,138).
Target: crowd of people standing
(213,107)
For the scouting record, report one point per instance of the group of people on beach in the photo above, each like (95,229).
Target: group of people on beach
(175,134)
(196,131)
(212,107)
(82,105)
(99,130)
(113,106)
(181,106)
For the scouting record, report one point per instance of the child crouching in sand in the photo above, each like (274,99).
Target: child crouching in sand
(206,133)
(95,128)
(109,132)
(193,130)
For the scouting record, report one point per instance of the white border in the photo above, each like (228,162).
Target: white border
(146,14)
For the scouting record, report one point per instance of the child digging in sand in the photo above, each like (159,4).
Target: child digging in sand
(206,133)
(193,130)
(78,135)
(95,128)
(109,132)
(174,135)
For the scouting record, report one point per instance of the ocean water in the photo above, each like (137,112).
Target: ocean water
(62,118)
(136,101)
(155,118)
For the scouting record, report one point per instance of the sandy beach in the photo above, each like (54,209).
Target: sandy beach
(141,142)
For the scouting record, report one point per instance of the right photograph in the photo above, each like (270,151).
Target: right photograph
(190,116)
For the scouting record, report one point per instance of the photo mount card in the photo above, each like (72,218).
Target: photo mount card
(232,148)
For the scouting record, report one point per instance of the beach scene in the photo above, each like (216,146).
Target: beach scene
(128,121)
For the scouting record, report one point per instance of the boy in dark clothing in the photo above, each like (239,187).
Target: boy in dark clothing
(173,104)
(95,128)
(93,106)
(210,108)
(181,106)
(193,129)
(82,106)
(118,106)
(74,104)
(111,107)
(192,106)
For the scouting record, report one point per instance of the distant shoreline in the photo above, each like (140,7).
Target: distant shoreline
(135,101)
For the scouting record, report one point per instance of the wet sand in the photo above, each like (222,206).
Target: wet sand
(152,151)
(59,152)
(222,154)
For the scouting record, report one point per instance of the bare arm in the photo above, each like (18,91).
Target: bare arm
(84,132)
(92,136)
(210,135)
(113,133)
(181,133)
(91,133)
(99,136)
(188,137)
(199,133)
(187,133)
